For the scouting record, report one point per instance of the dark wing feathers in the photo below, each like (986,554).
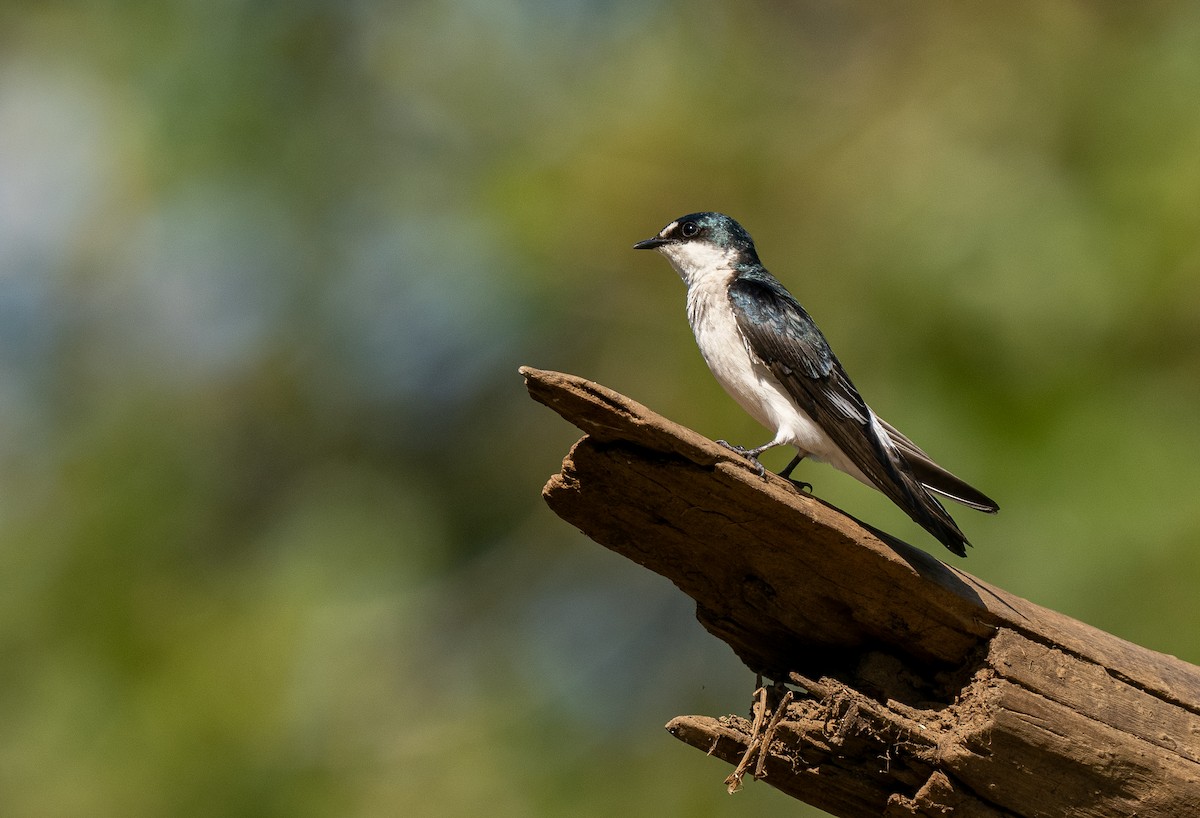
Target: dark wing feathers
(779,328)
(788,342)
(936,478)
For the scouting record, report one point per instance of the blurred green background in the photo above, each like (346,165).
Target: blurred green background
(272,539)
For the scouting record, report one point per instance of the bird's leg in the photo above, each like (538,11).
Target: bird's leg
(786,474)
(750,454)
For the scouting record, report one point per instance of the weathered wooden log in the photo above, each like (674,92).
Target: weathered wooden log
(917,688)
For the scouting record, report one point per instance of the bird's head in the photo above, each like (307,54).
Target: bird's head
(703,244)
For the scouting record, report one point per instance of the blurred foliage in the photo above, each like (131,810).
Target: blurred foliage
(272,542)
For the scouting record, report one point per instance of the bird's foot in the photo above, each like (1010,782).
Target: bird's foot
(749,454)
(801,485)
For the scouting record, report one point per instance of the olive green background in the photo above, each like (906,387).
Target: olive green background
(271,539)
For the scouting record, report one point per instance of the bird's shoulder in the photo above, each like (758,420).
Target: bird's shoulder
(786,339)
(780,330)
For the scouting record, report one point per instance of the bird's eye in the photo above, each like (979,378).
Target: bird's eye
(689,229)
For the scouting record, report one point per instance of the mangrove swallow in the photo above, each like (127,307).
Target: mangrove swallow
(768,354)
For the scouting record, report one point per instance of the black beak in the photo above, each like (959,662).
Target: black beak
(650,244)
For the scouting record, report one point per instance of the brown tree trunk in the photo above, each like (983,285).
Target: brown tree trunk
(904,686)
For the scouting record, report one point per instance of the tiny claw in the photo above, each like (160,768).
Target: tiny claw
(801,485)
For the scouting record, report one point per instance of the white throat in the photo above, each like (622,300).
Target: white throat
(699,262)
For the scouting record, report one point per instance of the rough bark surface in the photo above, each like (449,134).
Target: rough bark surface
(917,689)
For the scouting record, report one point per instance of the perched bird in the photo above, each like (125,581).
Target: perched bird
(768,354)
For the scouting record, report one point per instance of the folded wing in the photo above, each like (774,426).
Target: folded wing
(789,343)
